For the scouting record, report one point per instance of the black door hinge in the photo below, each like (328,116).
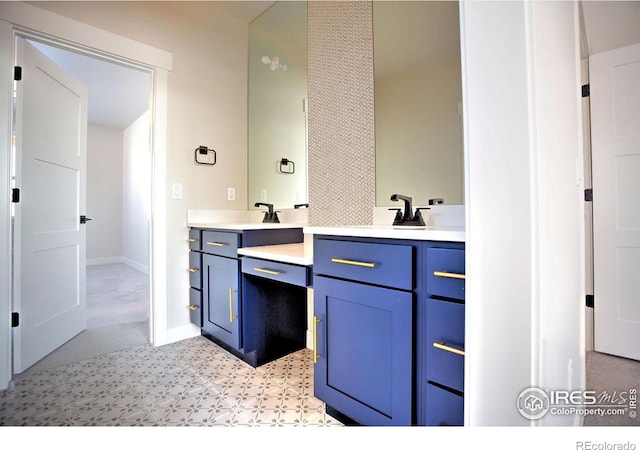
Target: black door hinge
(15,195)
(17,73)
(588,195)
(586,90)
(590,300)
(15,319)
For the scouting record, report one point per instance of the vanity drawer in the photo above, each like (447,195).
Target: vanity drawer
(278,271)
(382,264)
(195,270)
(445,329)
(443,407)
(195,239)
(220,243)
(195,307)
(445,272)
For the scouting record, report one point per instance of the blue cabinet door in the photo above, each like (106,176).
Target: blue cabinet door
(221,314)
(364,346)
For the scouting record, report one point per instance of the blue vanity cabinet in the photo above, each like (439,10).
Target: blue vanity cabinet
(195,277)
(222,314)
(363,329)
(441,356)
(222,301)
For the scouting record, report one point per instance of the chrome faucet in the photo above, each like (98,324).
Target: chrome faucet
(408,218)
(270,216)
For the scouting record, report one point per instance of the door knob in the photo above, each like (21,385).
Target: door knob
(84,219)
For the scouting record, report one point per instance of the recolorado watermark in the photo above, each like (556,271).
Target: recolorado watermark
(589,445)
(534,403)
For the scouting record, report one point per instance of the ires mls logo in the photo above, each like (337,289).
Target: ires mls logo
(534,403)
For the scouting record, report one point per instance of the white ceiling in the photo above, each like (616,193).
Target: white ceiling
(118,95)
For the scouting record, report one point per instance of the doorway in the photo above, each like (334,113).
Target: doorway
(118,198)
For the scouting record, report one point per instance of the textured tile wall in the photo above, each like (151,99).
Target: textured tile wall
(341,119)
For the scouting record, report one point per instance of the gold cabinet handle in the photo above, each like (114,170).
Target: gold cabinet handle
(270,272)
(193,307)
(216,244)
(448,348)
(316,355)
(458,276)
(353,263)
(192,269)
(231,316)
(192,240)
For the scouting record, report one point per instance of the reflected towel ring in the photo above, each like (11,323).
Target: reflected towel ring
(284,164)
(204,159)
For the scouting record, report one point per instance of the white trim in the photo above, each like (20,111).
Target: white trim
(158,223)
(107,260)
(64,28)
(119,260)
(85,38)
(135,265)
(180,333)
(6,88)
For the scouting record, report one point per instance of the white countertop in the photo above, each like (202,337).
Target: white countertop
(449,234)
(300,254)
(243,226)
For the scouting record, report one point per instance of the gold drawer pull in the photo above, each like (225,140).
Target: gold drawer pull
(192,269)
(353,263)
(231,316)
(194,307)
(457,276)
(216,244)
(270,272)
(448,348)
(192,240)
(316,355)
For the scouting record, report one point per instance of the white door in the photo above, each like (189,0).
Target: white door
(49,243)
(614,78)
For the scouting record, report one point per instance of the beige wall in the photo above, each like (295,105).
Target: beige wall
(136,196)
(207,105)
(341,128)
(104,193)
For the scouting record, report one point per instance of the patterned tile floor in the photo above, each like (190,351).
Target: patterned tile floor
(189,383)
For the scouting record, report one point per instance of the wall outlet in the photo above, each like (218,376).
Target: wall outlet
(177,191)
(231,193)
(263,195)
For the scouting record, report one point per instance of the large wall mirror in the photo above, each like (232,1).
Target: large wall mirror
(277,134)
(418,101)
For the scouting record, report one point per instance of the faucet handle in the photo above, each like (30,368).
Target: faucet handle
(398,218)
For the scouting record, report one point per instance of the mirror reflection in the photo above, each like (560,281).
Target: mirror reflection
(277,135)
(418,101)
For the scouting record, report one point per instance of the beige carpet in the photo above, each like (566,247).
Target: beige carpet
(613,375)
(117,316)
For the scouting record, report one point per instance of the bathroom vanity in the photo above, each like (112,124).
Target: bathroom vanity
(389,324)
(235,301)
(388,312)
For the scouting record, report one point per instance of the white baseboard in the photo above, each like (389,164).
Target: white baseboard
(136,265)
(108,260)
(178,334)
(119,260)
